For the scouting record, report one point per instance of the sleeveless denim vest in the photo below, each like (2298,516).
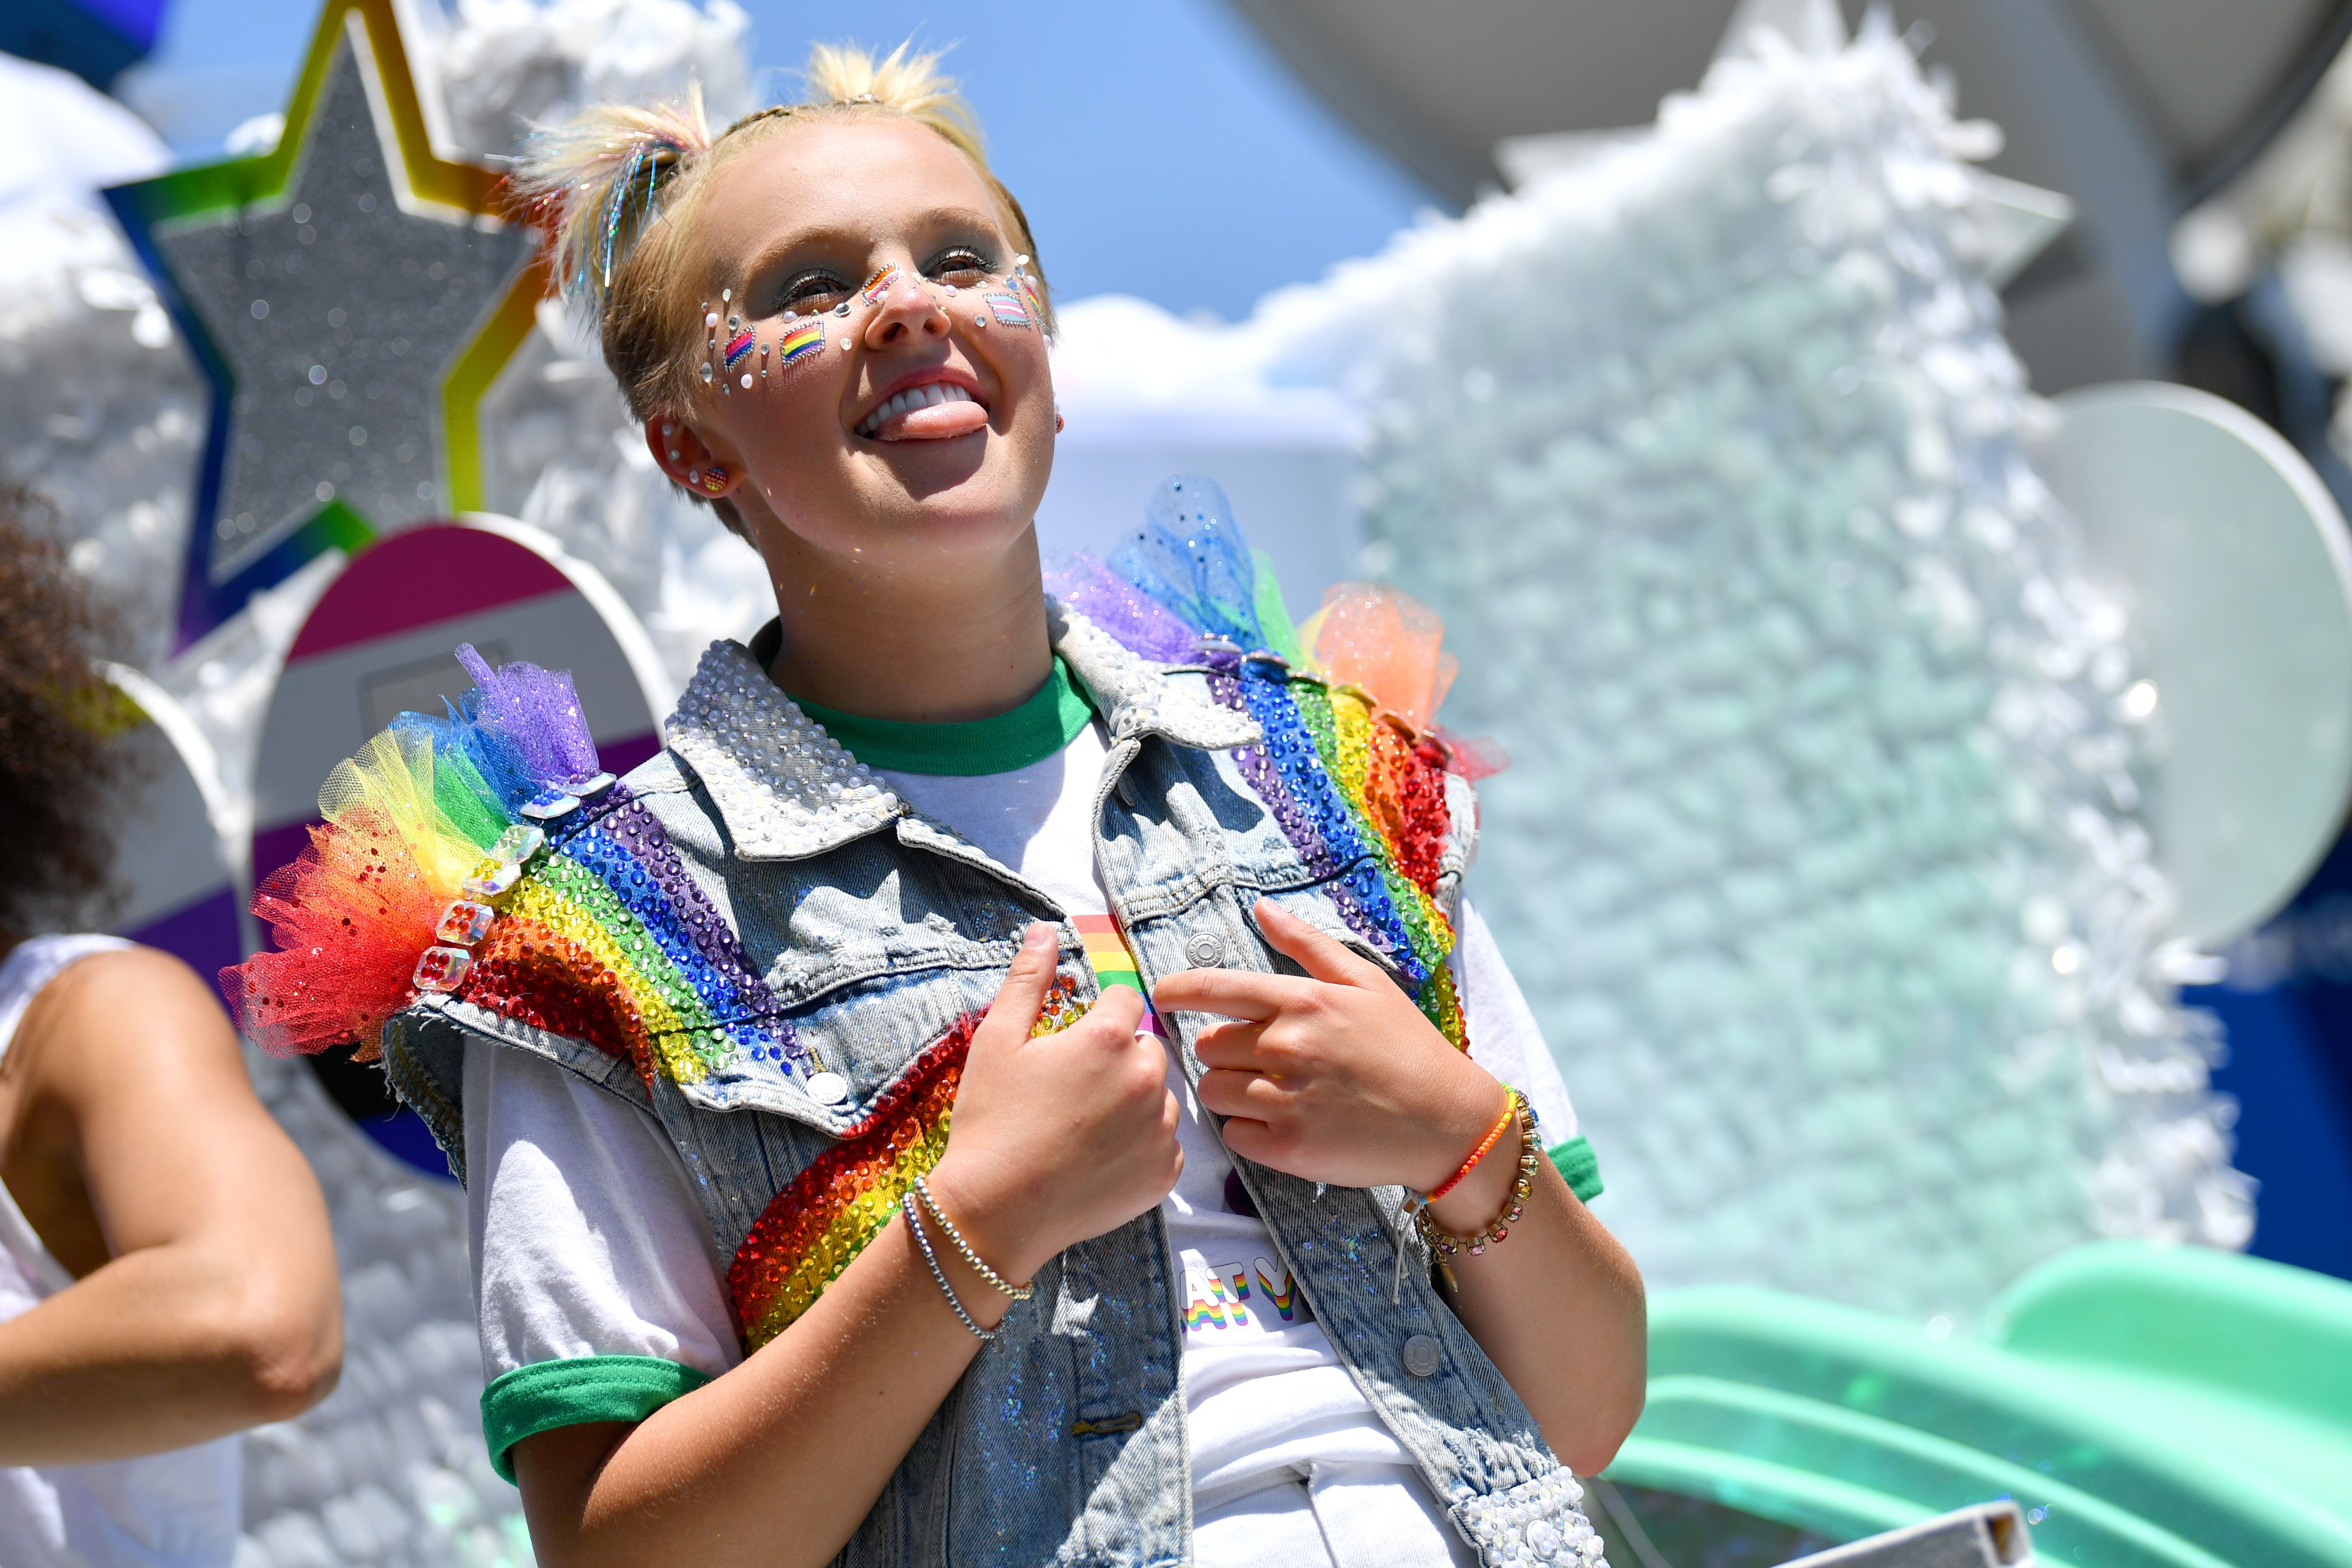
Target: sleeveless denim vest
(879,931)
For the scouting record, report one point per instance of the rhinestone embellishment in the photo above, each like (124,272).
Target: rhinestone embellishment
(786,787)
(1536,1522)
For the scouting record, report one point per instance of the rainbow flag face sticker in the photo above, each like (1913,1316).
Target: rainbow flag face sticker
(1007,310)
(800,343)
(739,346)
(880,285)
(1107,956)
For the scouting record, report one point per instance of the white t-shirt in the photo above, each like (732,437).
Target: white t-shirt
(173,1509)
(589,1240)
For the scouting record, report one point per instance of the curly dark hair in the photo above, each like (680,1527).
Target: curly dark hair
(60,759)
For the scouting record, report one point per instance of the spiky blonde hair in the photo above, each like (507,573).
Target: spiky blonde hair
(620,188)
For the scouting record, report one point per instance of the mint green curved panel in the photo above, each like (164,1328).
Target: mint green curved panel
(2149,1407)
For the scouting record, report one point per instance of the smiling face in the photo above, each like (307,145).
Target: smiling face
(899,411)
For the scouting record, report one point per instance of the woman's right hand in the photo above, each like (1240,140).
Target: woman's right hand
(1061,1138)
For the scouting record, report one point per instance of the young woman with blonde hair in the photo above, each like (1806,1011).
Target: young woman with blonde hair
(1162,1289)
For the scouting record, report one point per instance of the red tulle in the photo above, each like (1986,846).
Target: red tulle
(349,917)
(1369,634)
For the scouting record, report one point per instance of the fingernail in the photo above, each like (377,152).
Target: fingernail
(1038,937)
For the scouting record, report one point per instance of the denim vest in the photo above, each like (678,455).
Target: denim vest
(877,929)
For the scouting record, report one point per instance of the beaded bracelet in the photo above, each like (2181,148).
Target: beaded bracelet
(915,1223)
(1510,1108)
(963,1249)
(1444,1242)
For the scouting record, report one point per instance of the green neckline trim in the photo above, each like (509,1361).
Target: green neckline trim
(1578,1167)
(551,1393)
(1021,738)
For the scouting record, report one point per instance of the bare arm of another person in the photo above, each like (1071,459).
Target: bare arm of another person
(206,1298)
(1055,1139)
(1337,1077)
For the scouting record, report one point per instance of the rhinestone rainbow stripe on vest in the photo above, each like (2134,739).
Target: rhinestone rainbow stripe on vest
(486,857)
(823,1217)
(607,940)
(819,1221)
(1354,785)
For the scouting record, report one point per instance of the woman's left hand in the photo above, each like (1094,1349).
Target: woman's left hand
(1336,1077)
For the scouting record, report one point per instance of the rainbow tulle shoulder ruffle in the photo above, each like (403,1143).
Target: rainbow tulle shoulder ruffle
(432,821)
(1350,765)
(489,853)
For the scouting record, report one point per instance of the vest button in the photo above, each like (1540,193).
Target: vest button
(1203,950)
(1422,1355)
(829,1087)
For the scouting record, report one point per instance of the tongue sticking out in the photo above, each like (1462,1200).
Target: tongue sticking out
(937,422)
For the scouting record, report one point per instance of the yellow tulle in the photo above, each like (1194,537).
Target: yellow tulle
(392,779)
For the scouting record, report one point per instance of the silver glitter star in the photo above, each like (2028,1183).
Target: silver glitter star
(339,310)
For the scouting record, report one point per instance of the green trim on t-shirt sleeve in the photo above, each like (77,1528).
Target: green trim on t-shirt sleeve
(551,1393)
(1049,720)
(1578,1167)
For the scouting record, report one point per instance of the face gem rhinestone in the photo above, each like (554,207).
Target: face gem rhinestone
(747,381)
(442,969)
(708,373)
(492,878)
(465,922)
(725,295)
(980,320)
(710,319)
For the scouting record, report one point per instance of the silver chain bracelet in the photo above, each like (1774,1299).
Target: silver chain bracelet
(963,1247)
(915,1222)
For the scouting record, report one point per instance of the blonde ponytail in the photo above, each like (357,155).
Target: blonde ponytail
(594,180)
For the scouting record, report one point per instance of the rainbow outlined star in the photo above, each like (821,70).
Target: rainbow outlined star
(351,295)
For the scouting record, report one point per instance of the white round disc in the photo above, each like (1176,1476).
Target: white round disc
(2237,569)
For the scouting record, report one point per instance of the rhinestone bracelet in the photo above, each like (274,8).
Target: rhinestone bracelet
(963,1247)
(915,1223)
(1445,1244)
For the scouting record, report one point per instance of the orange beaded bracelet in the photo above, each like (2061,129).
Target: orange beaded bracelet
(1485,1145)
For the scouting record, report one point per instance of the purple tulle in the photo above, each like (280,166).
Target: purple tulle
(1145,625)
(533,716)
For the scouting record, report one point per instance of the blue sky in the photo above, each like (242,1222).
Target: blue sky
(1160,147)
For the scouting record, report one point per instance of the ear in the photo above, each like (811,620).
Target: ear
(680,453)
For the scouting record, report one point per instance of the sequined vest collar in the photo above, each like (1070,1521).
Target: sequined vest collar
(787,790)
